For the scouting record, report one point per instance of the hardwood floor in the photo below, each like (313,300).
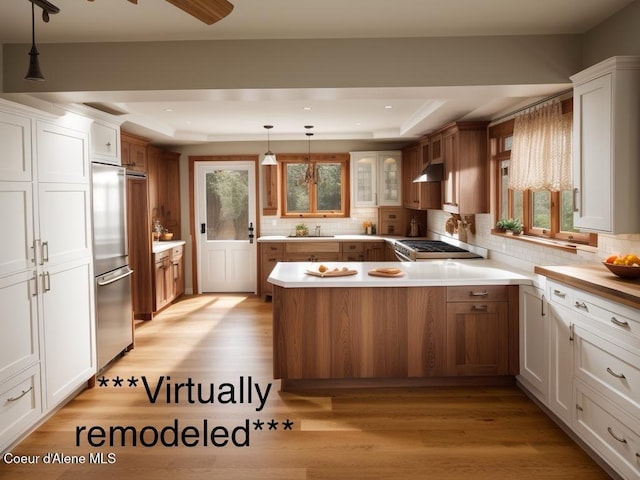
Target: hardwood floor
(430,433)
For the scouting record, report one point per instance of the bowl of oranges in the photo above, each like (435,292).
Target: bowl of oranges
(625,266)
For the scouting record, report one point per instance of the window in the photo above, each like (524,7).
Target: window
(544,213)
(315,188)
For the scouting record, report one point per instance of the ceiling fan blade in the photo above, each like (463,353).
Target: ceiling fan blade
(207,11)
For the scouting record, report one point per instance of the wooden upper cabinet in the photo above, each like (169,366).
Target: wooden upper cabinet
(422,195)
(270,205)
(464,155)
(134,152)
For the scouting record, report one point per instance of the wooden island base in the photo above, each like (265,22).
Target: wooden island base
(395,336)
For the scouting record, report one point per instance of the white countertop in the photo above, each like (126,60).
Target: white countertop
(163,245)
(339,238)
(417,274)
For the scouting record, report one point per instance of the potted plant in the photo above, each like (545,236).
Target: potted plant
(302,230)
(510,225)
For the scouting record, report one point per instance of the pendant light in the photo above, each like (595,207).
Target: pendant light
(34,72)
(310,176)
(269,157)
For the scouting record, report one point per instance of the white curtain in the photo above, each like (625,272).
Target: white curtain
(541,150)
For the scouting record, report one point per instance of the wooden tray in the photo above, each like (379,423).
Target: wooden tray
(385,272)
(331,273)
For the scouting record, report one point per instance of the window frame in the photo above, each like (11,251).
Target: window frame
(498,133)
(315,159)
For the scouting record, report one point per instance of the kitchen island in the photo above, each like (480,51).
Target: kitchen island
(441,322)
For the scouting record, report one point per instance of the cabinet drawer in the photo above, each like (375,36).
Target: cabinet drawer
(176,252)
(487,293)
(391,228)
(352,247)
(312,247)
(560,294)
(617,320)
(390,215)
(160,256)
(610,431)
(272,248)
(608,368)
(313,257)
(20,404)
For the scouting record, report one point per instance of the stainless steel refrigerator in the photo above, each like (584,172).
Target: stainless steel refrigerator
(114,316)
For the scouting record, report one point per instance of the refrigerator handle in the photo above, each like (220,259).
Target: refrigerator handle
(115,279)
(203,228)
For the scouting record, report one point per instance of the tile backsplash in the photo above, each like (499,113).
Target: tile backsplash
(518,253)
(527,255)
(328,226)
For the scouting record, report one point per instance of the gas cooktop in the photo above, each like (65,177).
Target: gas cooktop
(429,249)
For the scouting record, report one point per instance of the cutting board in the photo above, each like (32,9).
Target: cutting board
(331,273)
(386,272)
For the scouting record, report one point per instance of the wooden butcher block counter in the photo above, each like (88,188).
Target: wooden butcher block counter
(596,279)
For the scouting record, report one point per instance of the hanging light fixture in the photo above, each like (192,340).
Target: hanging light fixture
(269,157)
(34,72)
(310,176)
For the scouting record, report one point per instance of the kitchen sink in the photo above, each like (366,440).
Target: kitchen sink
(310,236)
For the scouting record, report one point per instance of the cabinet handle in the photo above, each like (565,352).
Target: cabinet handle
(581,306)
(44,251)
(479,294)
(620,439)
(575,200)
(559,293)
(620,323)
(542,313)
(571,332)
(46,282)
(579,408)
(479,308)
(35,285)
(34,247)
(24,392)
(617,375)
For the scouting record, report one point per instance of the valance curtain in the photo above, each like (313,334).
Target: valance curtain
(541,150)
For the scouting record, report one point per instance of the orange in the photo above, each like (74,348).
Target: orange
(611,258)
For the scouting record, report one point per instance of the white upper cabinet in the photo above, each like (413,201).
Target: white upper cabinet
(15,147)
(105,143)
(62,153)
(376,178)
(606,146)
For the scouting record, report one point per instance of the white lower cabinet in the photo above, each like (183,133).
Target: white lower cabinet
(67,304)
(534,341)
(609,430)
(594,373)
(561,363)
(20,404)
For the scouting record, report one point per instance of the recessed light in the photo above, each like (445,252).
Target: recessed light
(306,108)
(388,106)
(168,109)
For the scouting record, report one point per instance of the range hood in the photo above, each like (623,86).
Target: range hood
(434,172)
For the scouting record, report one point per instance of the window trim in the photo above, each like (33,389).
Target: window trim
(316,158)
(497,134)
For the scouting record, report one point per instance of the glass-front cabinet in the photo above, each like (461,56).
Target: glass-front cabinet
(376,178)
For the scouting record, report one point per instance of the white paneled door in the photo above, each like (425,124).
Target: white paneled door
(225,200)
